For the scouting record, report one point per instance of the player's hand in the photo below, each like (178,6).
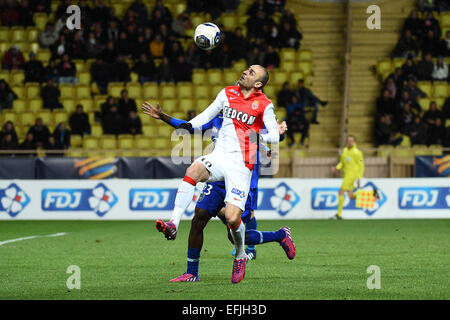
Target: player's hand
(152,111)
(282,127)
(334,170)
(183,128)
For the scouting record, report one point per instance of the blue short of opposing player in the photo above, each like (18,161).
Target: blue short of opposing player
(213,196)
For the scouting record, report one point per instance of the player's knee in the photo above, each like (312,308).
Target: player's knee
(233,220)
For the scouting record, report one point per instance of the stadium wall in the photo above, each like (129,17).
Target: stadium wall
(123,199)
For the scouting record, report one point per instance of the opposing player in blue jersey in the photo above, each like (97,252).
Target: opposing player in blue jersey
(211,204)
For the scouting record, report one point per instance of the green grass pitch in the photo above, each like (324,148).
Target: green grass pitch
(131,260)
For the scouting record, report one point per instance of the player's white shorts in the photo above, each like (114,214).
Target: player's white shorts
(237,177)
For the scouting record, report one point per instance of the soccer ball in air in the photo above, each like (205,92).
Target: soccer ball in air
(207,36)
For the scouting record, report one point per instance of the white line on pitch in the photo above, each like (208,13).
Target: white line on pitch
(32,237)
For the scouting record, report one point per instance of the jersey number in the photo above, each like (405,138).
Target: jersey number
(207,163)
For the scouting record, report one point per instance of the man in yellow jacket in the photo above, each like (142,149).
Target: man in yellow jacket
(351,162)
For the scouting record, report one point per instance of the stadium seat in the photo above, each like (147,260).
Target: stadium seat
(230,77)
(305,67)
(168,91)
(229,21)
(87,103)
(19,90)
(214,76)
(91,117)
(199,77)
(270,92)
(108,141)
(134,90)
(304,55)
(43,55)
(84,77)
(69,105)
(61,116)
(126,141)
(202,91)
(40,20)
(186,104)
(278,77)
(9,115)
(142,142)
(424,104)
(287,66)
(149,130)
(96,130)
(421,150)
(4,75)
(90,143)
(27,118)
(436,149)
(150,91)
(76,141)
(287,54)
(17,77)
(440,103)
(440,89)
(35,105)
(240,65)
(201,104)
(179,115)
(4,34)
(114,88)
(47,118)
(426,87)
(445,20)
(20,105)
(384,66)
(18,34)
(67,90)
(184,90)
(24,47)
(33,90)
(403,152)
(33,34)
(160,143)
(165,131)
(83,91)
(169,105)
(385,150)
(398,62)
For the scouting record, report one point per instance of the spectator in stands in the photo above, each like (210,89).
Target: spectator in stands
(93,48)
(407,45)
(51,145)
(398,78)
(296,121)
(440,70)
(181,24)
(34,69)
(60,47)
(62,136)
(124,45)
(164,72)
(256,23)
(110,53)
(101,75)
(106,107)
(403,100)
(8,128)
(79,122)
(121,70)
(259,5)
(133,124)
(409,68)
(126,104)
(173,50)
(384,132)
(430,23)
(162,13)
(436,133)
(415,24)
(277,5)
(145,68)
(432,115)
(418,131)
(141,11)
(67,70)
(10,14)
(26,14)
(255,56)
(308,99)
(445,45)
(140,47)
(183,70)
(157,47)
(7,143)
(288,17)
(271,58)
(385,104)
(77,47)
(289,37)
(406,119)
(446,109)
(13,59)
(42,6)
(430,44)
(425,68)
(29,144)
(113,122)
(51,71)
(50,96)
(427,5)
(7,95)
(414,92)
(40,132)
(100,12)
(192,56)
(284,97)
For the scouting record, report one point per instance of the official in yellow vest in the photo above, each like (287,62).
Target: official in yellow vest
(351,162)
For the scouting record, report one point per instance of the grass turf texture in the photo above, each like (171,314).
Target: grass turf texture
(131,260)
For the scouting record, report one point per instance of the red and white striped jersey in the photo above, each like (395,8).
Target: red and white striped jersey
(242,117)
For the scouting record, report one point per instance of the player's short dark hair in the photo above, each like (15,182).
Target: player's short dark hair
(351,136)
(264,78)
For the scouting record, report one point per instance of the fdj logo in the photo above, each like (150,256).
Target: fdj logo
(13,200)
(327,199)
(282,199)
(424,198)
(152,199)
(100,199)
